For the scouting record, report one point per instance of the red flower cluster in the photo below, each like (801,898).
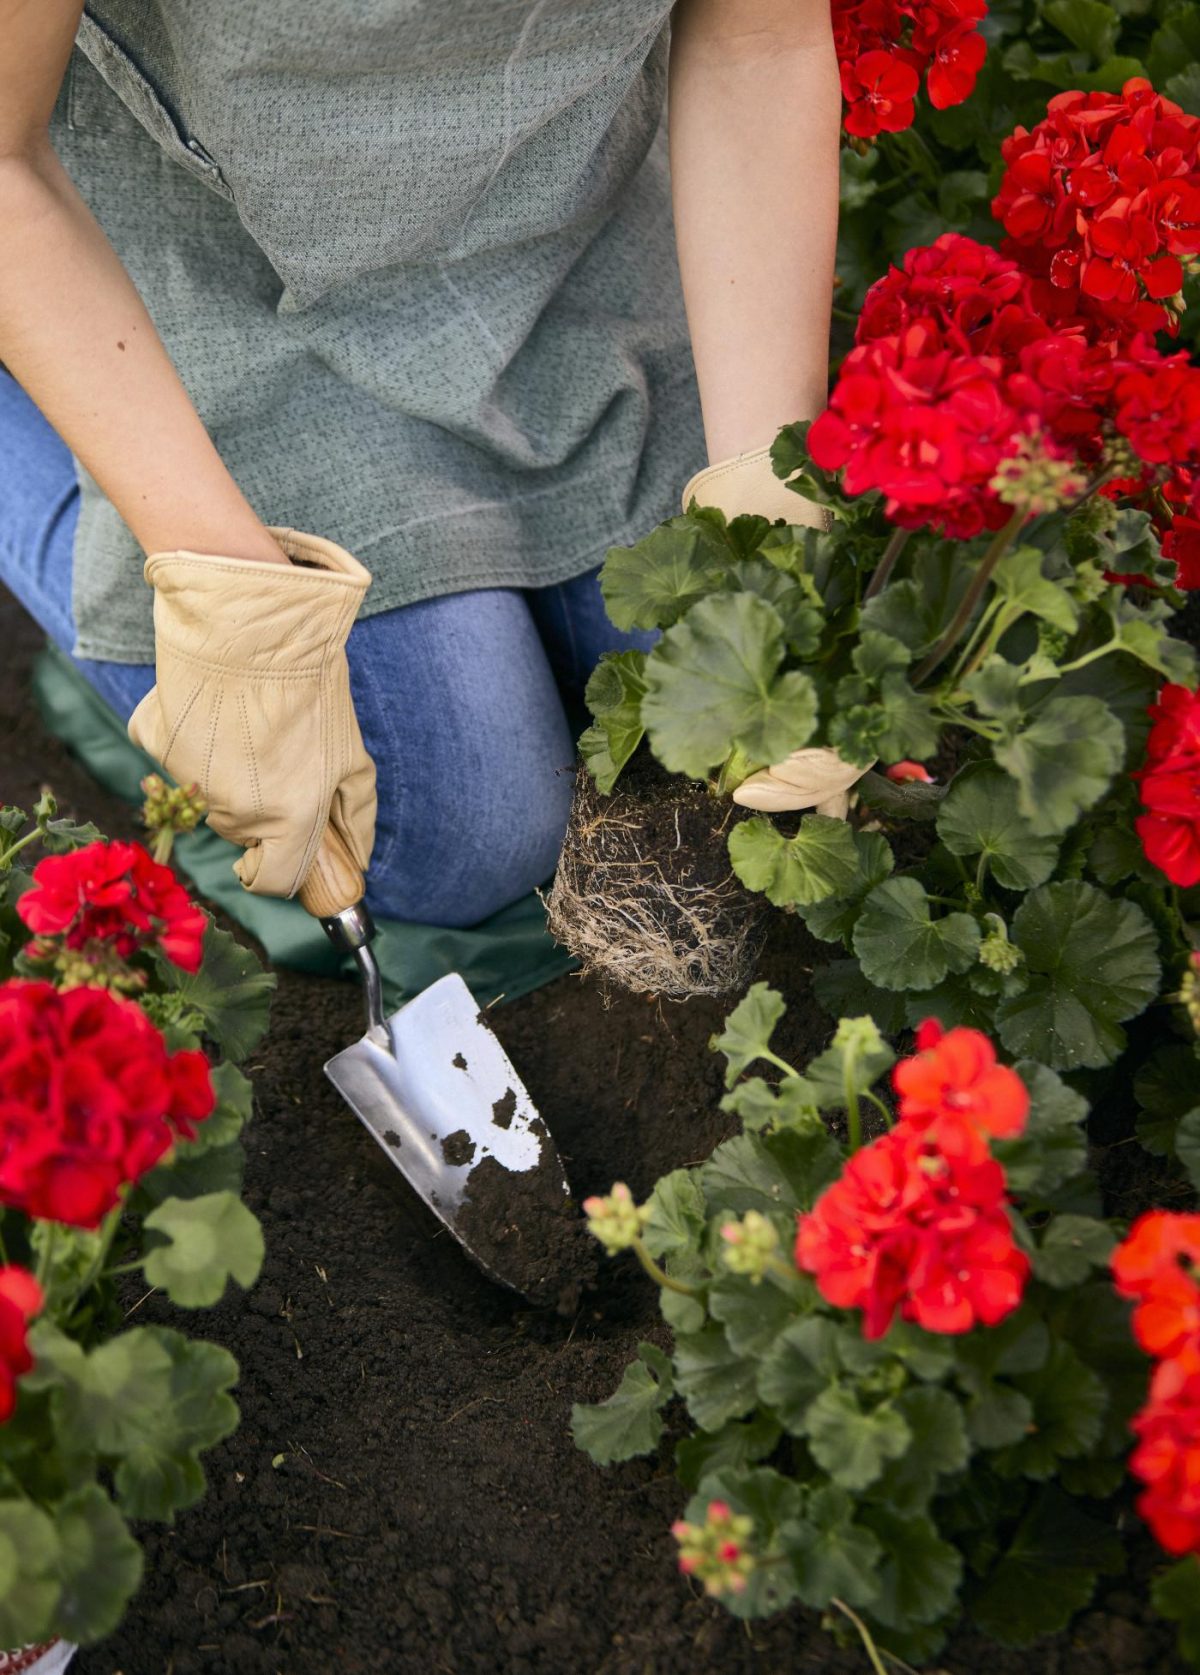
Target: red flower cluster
(89,1099)
(115,894)
(20,1299)
(1158,1265)
(917,1222)
(884,47)
(1101,200)
(1170,787)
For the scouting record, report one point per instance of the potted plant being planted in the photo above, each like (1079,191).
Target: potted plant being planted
(984,538)
(119,1155)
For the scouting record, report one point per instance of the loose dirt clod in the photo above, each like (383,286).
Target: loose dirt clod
(524,1228)
(458,1148)
(645,894)
(505,1109)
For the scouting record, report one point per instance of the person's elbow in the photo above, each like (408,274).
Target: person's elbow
(752,30)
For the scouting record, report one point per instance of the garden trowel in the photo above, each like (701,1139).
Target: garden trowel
(436,1089)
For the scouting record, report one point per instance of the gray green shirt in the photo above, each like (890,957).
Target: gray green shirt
(414,260)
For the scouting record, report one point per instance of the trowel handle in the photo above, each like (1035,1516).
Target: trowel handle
(334,881)
(333,893)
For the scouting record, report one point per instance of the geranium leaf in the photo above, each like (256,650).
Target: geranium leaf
(1053,1147)
(1018,578)
(834,920)
(753,1315)
(748,1030)
(614,697)
(629,1422)
(852,1444)
(1175,1595)
(1187,1144)
(1087,24)
(231,992)
(784,1171)
(1048,1573)
(832,1556)
(1091,963)
(29,1585)
(939,1448)
(902,947)
(716,1383)
(162,1474)
(820,861)
(858,1055)
(979,816)
(1063,761)
(843,991)
(1070,1248)
(713,683)
(801,1363)
(210,1240)
(652,584)
(677,1212)
(803,620)
(1184,88)
(1164,1088)
(1069,1403)
(920,1574)
(738,1444)
(99,1565)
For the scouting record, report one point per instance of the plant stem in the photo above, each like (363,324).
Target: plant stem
(108,1228)
(864,1635)
(15,849)
(1001,542)
(164,842)
(981,872)
(47,1256)
(853,1113)
(1090,656)
(887,563)
(977,643)
(780,1064)
(660,1275)
(879,1106)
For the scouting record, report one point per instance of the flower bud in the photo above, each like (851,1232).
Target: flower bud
(750,1245)
(616,1220)
(717,1552)
(996,952)
(1033,479)
(178,808)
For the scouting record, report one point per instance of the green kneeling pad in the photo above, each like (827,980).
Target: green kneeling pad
(501,958)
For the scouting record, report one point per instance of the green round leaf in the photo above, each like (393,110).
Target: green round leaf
(979,816)
(819,862)
(901,947)
(1091,963)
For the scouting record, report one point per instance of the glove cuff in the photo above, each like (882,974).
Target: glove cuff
(747,483)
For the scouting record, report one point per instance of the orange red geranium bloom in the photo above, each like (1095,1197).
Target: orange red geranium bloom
(1158,1266)
(917,1224)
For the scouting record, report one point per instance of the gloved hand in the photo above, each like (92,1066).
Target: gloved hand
(253,702)
(811,778)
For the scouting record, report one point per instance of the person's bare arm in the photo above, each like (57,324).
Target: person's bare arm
(755,114)
(76,335)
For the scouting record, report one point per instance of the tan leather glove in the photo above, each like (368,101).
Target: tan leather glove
(253,702)
(811,778)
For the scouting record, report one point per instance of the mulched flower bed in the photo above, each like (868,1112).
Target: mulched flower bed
(404,1493)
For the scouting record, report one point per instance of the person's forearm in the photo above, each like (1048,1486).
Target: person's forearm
(77,337)
(754,136)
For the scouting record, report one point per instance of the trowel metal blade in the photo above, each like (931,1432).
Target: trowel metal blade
(437,1072)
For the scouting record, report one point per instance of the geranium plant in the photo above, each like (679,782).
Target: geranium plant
(123,1014)
(906,1371)
(987,620)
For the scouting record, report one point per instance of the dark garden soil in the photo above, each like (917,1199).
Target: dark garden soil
(404,1494)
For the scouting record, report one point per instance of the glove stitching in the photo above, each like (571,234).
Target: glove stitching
(251,759)
(179,720)
(214,717)
(318,578)
(213,668)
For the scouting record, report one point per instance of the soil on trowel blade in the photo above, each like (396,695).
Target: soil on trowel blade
(403,1496)
(527,1231)
(458,1148)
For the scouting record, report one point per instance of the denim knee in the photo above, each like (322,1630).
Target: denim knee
(455,853)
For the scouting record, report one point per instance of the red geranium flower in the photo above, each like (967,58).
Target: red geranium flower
(20,1299)
(912,1230)
(114,893)
(903,773)
(1167,1457)
(1157,1264)
(879,89)
(957,61)
(1170,787)
(90,1099)
(954,1089)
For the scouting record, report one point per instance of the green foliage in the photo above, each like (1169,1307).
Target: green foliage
(630,1422)
(111,1424)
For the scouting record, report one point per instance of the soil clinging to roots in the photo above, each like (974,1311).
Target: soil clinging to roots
(645,895)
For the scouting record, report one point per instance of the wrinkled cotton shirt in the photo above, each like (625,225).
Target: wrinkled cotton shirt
(414,260)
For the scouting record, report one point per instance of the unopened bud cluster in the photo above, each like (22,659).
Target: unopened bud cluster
(716,1552)
(1033,479)
(996,952)
(1189,991)
(177,808)
(750,1245)
(616,1220)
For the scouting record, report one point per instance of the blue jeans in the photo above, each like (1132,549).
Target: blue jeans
(460,699)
